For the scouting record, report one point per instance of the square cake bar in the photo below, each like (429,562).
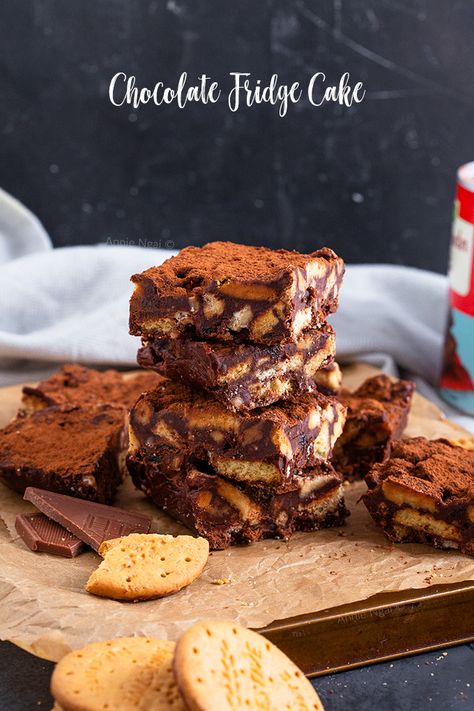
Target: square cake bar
(227,291)
(377,414)
(425,494)
(78,451)
(243,376)
(264,447)
(227,513)
(75,384)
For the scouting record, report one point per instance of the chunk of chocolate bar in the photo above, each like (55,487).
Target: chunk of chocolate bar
(377,414)
(424,493)
(90,522)
(71,450)
(75,384)
(243,376)
(42,534)
(226,513)
(229,291)
(264,447)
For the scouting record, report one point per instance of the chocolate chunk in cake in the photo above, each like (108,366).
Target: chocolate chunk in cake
(243,376)
(71,450)
(377,414)
(228,291)
(75,384)
(425,494)
(226,512)
(266,446)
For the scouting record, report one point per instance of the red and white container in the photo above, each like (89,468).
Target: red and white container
(457,378)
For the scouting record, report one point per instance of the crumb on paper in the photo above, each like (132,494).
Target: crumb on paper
(220,581)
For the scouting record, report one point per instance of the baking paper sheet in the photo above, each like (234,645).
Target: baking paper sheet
(44,608)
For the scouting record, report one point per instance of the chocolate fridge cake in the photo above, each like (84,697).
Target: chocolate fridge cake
(243,376)
(75,384)
(264,447)
(71,450)
(425,494)
(377,414)
(227,513)
(228,291)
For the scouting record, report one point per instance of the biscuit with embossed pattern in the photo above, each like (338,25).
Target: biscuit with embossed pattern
(220,666)
(119,675)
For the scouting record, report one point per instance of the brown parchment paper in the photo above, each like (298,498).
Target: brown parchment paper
(43,606)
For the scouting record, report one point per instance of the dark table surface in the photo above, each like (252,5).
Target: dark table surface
(441,680)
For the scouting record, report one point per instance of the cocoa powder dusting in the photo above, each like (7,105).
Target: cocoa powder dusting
(65,440)
(196,267)
(433,467)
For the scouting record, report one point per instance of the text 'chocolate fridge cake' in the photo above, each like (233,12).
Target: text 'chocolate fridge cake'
(236,444)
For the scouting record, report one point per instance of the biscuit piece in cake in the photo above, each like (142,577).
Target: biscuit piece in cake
(329,379)
(424,493)
(267,446)
(243,376)
(229,291)
(377,414)
(71,450)
(227,512)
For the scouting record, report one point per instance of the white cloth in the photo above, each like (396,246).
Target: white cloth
(71,304)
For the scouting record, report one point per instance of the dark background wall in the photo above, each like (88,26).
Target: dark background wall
(375,181)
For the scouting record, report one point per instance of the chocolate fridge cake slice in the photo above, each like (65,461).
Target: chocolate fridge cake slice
(75,384)
(71,450)
(226,513)
(425,494)
(229,291)
(267,446)
(377,414)
(243,376)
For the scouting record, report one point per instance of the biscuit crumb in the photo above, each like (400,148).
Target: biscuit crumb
(220,581)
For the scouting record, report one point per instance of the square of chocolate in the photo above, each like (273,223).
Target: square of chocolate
(377,414)
(265,447)
(71,450)
(42,534)
(243,376)
(229,291)
(226,512)
(75,384)
(424,493)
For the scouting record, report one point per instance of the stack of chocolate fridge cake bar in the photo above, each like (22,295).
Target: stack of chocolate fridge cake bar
(236,442)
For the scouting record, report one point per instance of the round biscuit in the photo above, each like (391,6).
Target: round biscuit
(220,666)
(143,566)
(116,675)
